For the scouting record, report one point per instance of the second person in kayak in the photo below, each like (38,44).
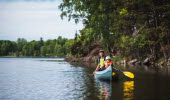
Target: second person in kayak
(107,63)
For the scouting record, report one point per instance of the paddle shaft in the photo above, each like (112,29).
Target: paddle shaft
(117,69)
(128,74)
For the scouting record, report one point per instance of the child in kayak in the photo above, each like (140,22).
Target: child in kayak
(107,63)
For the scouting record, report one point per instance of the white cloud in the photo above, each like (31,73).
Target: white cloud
(32,20)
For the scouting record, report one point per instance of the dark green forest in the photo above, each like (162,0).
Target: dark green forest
(51,48)
(128,28)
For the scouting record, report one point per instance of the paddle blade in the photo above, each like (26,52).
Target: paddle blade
(113,74)
(129,74)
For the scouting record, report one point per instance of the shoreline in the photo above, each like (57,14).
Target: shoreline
(93,59)
(30,57)
(146,62)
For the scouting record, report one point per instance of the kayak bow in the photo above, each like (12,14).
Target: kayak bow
(105,74)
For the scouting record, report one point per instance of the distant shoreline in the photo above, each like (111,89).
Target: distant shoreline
(31,57)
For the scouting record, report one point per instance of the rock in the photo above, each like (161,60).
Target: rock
(147,61)
(89,59)
(123,62)
(138,63)
(152,63)
(68,58)
(168,63)
(132,61)
(161,63)
(118,62)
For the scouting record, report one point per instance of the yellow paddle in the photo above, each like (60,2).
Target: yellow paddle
(126,73)
(129,74)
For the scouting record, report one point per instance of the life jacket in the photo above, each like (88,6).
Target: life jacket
(100,61)
(107,64)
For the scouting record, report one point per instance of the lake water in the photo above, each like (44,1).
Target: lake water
(55,79)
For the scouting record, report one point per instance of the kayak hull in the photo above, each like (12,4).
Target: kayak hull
(105,74)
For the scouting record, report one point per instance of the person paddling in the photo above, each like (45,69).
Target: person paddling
(100,60)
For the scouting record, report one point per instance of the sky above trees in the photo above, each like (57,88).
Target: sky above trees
(32,19)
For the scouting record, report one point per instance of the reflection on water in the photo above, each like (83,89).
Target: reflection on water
(128,89)
(104,89)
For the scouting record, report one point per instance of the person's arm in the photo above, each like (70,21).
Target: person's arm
(96,68)
(97,65)
(106,64)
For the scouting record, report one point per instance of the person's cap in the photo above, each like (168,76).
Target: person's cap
(101,51)
(108,57)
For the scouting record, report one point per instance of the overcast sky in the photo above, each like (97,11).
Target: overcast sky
(32,19)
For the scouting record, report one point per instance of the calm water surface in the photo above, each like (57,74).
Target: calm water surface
(54,79)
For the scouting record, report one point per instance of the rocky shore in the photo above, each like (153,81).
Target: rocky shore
(148,61)
(90,59)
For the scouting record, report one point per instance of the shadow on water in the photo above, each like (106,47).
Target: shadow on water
(150,83)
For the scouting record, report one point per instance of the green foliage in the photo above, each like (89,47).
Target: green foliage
(117,58)
(57,47)
(123,12)
(68,44)
(43,51)
(137,27)
(20,43)
(6,47)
